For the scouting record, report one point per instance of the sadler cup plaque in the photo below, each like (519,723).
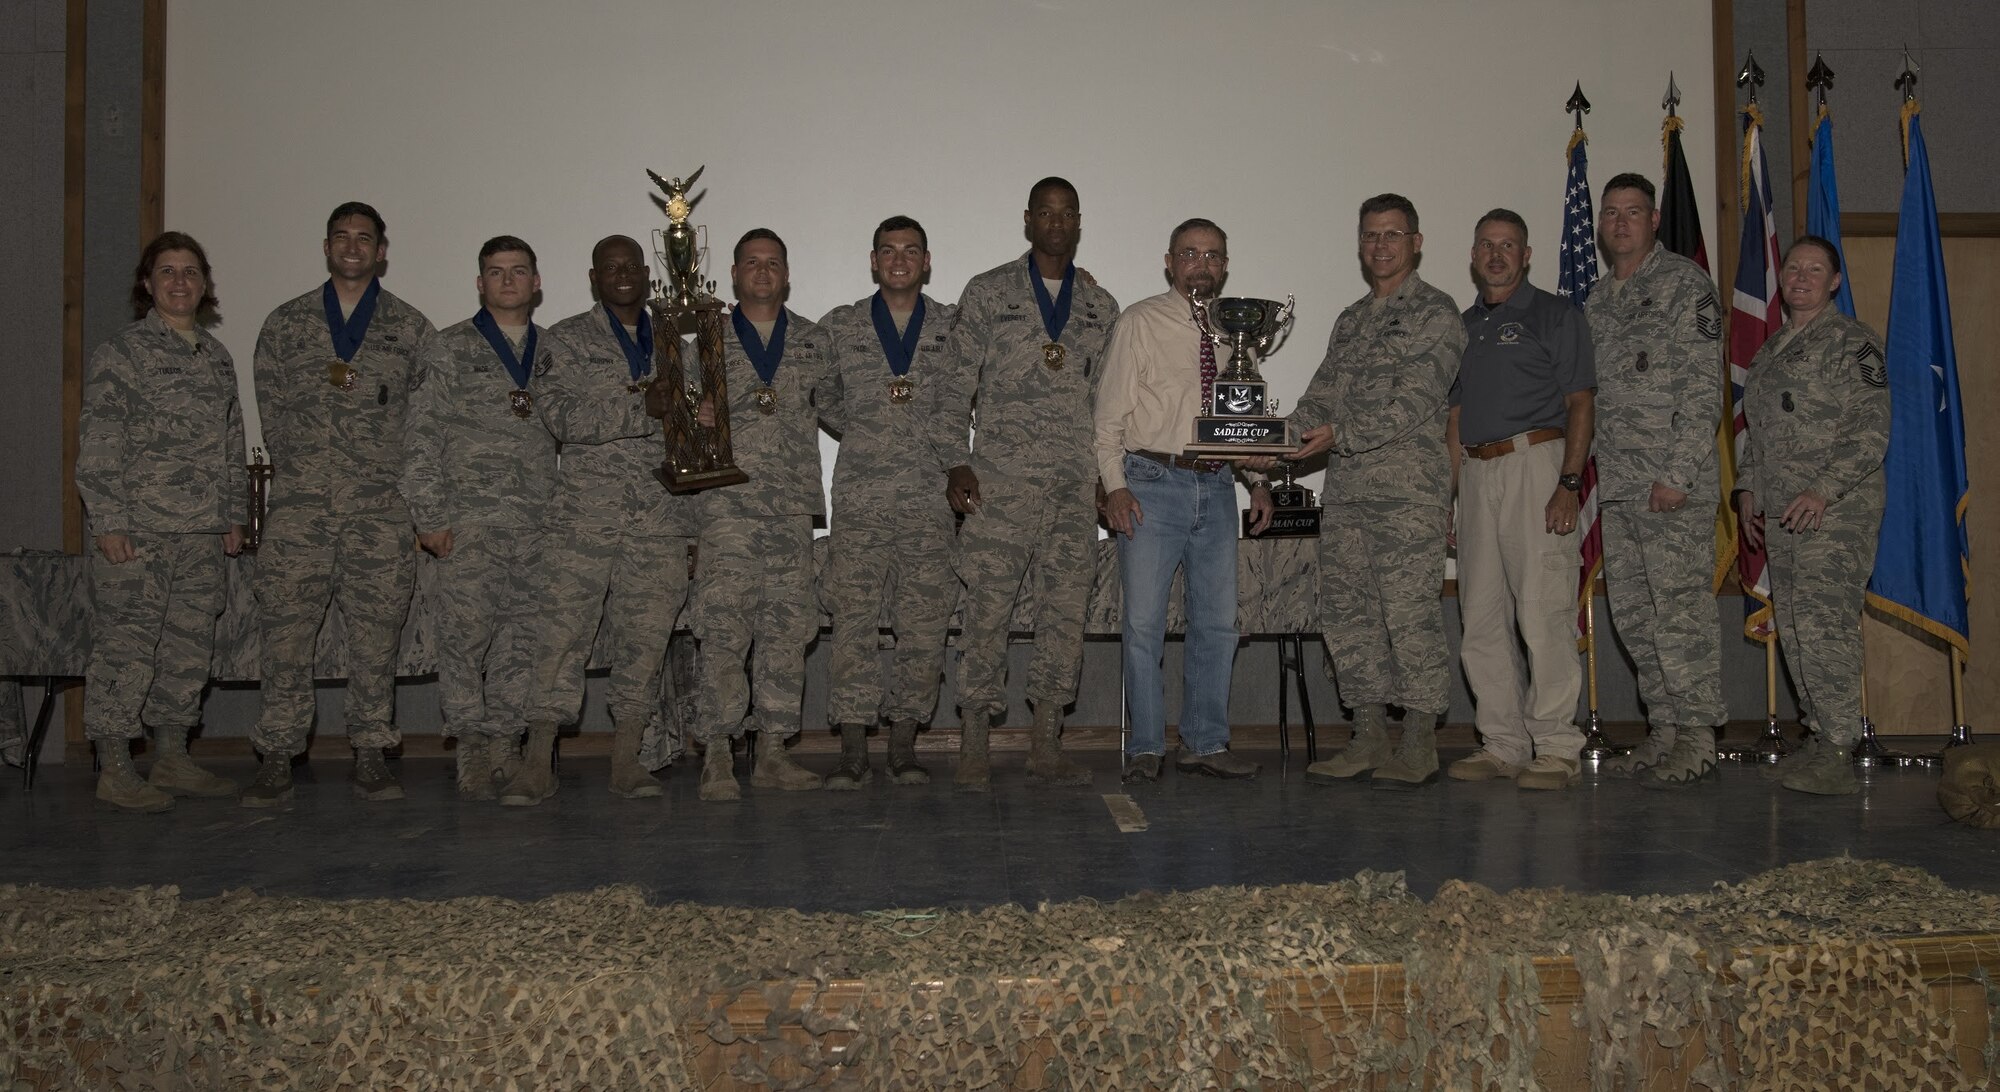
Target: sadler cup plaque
(1241,419)
(698,457)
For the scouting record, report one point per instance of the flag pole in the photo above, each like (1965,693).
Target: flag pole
(1596,748)
(1961,733)
(1869,753)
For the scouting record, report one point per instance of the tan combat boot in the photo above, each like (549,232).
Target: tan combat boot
(1045,760)
(852,771)
(903,767)
(175,773)
(629,777)
(774,767)
(718,771)
(535,781)
(975,771)
(372,779)
(118,784)
(475,768)
(1648,754)
(1367,750)
(1416,762)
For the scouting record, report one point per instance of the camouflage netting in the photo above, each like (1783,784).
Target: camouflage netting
(1789,979)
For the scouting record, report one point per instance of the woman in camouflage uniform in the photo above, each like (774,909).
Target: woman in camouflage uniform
(1817,404)
(160,469)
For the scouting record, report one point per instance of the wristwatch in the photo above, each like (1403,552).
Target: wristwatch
(1571,482)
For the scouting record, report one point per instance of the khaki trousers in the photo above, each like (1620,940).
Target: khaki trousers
(1513,575)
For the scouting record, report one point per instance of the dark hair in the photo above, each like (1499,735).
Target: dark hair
(357,208)
(900,223)
(1389,202)
(597,252)
(1832,252)
(500,244)
(1630,181)
(1053,182)
(1505,216)
(142,300)
(752,236)
(1192,223)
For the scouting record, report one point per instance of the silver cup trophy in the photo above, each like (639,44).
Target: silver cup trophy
(1240,421)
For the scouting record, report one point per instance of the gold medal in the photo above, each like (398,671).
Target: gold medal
(767,399)
(521,402)
(901,390)
(340,375)
(1054,353)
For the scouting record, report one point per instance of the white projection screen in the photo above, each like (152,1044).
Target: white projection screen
(464,119)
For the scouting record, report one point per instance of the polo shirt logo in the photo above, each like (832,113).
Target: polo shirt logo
(1510,333)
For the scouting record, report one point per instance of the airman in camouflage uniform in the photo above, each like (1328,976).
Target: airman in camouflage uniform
(160,469)
(479,467)
(1810,488)
(616,545)
(1377,405)
(1657,329)
(331,401)
(892,530)
(1027,485)
(754,570)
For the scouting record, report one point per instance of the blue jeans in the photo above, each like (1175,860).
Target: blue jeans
(1190,525)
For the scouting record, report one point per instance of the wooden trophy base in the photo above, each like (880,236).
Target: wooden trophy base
(694,481)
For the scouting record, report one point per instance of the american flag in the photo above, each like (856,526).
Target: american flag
(1577,272)
(1755,314)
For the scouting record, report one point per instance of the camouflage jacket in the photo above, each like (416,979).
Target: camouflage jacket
(1034,421)
(1658,340)
(610,448)
(1384,387)
(886,455)
(468,460)
(335,450)
(1818,414)
(160,434)
(779,450)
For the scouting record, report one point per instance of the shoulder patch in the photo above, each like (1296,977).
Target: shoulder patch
(1874,370)
(1708,317)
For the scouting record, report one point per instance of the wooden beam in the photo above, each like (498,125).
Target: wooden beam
(153,122)
(1796,96)
(75,68)
(1951,225)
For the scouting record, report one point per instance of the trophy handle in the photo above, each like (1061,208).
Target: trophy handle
(1280,324)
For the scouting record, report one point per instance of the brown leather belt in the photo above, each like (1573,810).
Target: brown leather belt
(1506,447)
(1182,462)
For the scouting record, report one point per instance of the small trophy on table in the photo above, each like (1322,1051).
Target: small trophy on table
(698,456)
(1295,511)
(1241,420)
(258,476)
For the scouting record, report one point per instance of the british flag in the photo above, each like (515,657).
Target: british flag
(1755,314)
(1576,273)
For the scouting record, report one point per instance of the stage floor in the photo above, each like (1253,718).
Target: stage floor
(894,846)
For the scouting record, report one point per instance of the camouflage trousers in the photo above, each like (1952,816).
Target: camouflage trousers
(1381,586)
(900,556)
(485,603)
(635,584)
(152,634)
(1659,569)
(1029,534)
(753,600)
(306,563)
(1819,581)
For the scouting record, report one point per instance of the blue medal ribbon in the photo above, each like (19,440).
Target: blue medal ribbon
(348,332)
(1055,313)
(763,357)
(901,349)
(639,357)
(520,368)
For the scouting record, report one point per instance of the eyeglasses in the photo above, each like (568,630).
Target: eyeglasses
(1189,255)
(1392,236)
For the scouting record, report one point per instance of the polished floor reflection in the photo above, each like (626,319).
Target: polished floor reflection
(891,846)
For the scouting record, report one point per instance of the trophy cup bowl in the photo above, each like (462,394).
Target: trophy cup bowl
(1247,325)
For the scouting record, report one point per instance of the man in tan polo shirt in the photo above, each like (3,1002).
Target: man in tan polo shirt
(1173,513)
